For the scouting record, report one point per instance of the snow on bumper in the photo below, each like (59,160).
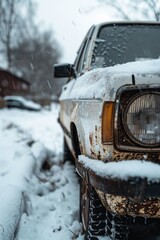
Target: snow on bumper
(133,178)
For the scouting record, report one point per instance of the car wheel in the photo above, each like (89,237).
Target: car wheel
(67,155)
(132,228)
(92,212)
(117,227)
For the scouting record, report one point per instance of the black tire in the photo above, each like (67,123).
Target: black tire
(92,212)
(117,227)
(67,155)
(129,228)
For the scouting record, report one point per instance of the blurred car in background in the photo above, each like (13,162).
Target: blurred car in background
(21,103)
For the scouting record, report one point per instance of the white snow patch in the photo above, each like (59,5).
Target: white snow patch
(11,209)
(40,152)
(51,197)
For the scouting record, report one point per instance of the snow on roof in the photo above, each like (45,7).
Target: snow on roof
(123,169)
(96,83)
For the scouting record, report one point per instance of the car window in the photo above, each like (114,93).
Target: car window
(87,50)
(83,53)
(126,43)
(80,58)
(15,103)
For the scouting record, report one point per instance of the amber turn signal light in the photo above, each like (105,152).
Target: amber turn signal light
(107,122)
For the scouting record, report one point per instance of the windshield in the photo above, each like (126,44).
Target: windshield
(126,43)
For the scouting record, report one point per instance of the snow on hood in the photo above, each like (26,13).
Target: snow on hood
(104,81)
(123,169)
(139,67)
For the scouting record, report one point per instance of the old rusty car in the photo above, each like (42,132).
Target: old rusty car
(110,115)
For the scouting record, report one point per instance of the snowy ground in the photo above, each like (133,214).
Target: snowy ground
(38,192)
(48,200)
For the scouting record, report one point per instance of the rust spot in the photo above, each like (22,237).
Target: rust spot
(91,138)
(92,153)
(121,205)
(99,155)
(118,156)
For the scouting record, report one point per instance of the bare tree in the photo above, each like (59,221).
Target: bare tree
(7,23)
(13,26)
(135,9)
(27,51)
(34,58)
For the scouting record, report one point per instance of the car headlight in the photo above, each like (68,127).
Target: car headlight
(142,119)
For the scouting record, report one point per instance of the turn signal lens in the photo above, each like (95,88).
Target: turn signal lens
(107,122)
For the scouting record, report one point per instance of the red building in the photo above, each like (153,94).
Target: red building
(11,84)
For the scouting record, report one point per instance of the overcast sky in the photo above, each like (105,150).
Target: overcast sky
(70,20)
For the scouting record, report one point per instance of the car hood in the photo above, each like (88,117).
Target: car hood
(104,82)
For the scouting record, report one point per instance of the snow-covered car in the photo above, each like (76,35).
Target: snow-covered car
(21,103)
(110,115)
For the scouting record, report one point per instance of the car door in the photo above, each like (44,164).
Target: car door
(68,104)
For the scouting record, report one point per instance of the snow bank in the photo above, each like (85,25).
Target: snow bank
(54,213)
(17,166)
(11,208)
(41,153)
(123,169)
(21,169)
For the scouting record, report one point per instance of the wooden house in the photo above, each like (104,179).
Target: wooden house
(11,84)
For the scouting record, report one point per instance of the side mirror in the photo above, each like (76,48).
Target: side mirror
(64,71)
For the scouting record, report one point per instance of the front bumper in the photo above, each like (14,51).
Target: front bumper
(135,187)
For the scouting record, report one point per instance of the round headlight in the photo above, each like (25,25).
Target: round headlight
(142,119)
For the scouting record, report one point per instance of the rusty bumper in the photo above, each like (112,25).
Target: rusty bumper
(134,187)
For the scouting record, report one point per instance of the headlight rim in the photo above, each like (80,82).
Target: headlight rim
(124,120)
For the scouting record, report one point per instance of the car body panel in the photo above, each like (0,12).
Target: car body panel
(81,105)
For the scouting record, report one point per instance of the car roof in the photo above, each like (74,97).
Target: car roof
(126,23)
(20,98)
